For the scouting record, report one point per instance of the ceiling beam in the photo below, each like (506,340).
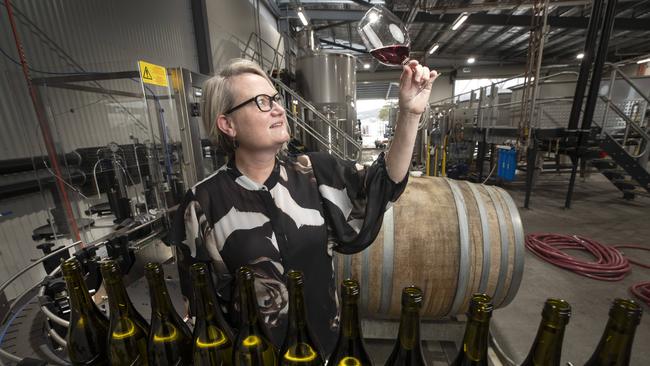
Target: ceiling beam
(632,24)
(335,24)
(345,46)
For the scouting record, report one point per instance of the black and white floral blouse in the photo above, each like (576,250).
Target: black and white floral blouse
(310,205)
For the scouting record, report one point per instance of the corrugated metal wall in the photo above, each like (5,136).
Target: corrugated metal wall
(62,36)
(98,36)
(104,36)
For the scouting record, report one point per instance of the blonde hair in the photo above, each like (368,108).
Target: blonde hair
(218,97)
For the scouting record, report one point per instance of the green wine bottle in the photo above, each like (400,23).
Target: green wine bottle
(350,349)
(408,349)
(88,328)
(477,332)
(127,341)
(253,345)
(170,340)
(213,338)
(616,343)
(547,347)
(300,346)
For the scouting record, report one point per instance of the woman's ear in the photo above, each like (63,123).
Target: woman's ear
(226,126)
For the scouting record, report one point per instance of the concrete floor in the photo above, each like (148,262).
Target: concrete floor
(597,212)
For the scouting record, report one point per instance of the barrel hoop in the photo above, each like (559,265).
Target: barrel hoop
(463,231)
(518,228)
(485,229)
(365,276)
(387,263)
(503,229)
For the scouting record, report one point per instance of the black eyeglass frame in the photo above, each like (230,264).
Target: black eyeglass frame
(276,98)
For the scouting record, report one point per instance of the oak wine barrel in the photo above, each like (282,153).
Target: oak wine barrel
(450,238)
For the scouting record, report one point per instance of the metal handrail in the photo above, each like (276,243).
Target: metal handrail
(631,83)
(503,81)
(304,104)
(312,132)
(34,264)
(629,123)
(262,59)
(318,114)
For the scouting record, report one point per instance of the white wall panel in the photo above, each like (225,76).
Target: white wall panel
(100,36)
(231,23)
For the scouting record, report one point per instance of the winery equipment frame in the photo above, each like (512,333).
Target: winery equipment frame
(32,301)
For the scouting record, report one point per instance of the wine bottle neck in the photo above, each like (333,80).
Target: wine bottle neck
(161,304)
(297,316)
(248,307)
(547,346)
(409,329)
(118,300)
(616,342)
(78,293)
(206,301)
(475,341)
(350,325)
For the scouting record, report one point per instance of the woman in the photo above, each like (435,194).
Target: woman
(273,212)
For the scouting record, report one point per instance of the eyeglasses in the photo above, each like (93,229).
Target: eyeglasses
(264,102)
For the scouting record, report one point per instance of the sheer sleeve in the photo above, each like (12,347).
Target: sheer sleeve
(354,199)
(196,242)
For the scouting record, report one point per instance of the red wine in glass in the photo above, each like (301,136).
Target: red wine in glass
(395,55)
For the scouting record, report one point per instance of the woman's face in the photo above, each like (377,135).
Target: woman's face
(256,130)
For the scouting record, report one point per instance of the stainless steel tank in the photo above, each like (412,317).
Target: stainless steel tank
(327,78)
(329,82)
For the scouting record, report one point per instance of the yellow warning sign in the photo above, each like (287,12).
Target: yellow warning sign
(153,74)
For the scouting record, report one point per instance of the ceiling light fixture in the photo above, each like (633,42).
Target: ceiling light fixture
(580,56)
(643,61)
(366,66)
(302,16)
(471,60)
(434,48)
(459,21)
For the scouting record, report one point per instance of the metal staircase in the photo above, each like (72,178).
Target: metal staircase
(307,122)
(626,164)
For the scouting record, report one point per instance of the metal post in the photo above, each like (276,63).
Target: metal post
(202,36)
(572,180)
(581,85)
(538,67)
(480,159)
(592,98)
(585,65)
(531,165)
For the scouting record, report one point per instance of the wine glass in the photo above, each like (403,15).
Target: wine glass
(385,36)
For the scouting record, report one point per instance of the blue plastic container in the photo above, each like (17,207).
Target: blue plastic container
(507,164)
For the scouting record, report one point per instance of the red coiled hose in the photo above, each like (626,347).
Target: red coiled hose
(634,247)
(641,289)
(609,264)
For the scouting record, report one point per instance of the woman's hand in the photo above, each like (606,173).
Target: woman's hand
(415,87)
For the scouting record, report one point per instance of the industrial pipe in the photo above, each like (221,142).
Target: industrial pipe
(10,166)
